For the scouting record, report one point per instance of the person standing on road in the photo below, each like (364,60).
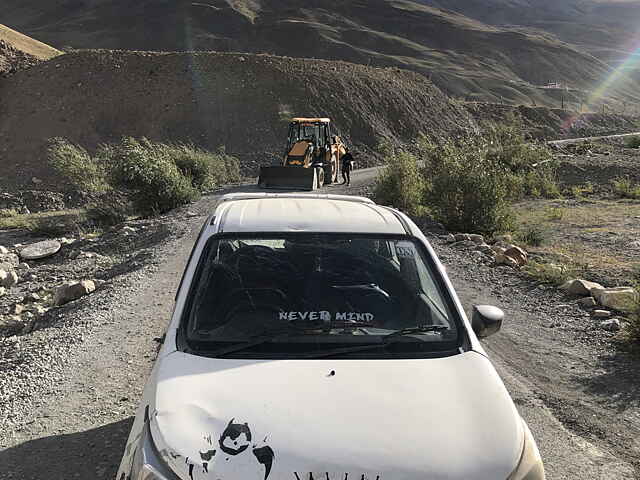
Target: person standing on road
(347,166)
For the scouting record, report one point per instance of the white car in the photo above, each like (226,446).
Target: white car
(318,337)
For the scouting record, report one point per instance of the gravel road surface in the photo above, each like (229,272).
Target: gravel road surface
(77,385)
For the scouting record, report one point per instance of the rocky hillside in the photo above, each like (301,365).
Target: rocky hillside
(466,53)
(604,28)
(240,101)
(554,123)
(18,51)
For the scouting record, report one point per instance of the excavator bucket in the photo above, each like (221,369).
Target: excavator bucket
(288,178)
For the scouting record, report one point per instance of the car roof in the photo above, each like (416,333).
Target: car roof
(304,213)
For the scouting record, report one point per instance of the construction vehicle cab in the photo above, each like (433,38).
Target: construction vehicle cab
(311,158)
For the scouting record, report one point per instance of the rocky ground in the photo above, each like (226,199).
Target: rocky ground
(590,228)
(70,385)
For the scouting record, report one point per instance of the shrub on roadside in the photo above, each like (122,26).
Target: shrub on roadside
(467,190)
(401,183)
(110,209)
(549,273)
(155,183)
(156,177)
(531,235)
(75,164)
(469,185)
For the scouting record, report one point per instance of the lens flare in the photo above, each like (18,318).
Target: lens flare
(619,73)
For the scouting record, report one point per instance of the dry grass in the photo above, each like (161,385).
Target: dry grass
(46,223)
(592,238)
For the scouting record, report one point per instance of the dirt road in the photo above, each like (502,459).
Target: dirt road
(78,428)
(570,141)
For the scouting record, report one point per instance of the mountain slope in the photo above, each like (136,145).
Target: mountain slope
(465,56)
(18,51)
(240,101)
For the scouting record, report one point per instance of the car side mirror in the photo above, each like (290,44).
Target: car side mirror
(486,320)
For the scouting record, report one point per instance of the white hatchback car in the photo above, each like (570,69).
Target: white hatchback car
(318,337)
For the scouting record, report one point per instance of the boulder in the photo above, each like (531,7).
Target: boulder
(600,313)
(611,325)
(587,302)
(8,278)
(498,249)
(477,239)
(580,287)
(517,254)
(40,250)
(70,291)
(502,259)
(623,299)
(8,261)
(461,237)
(464,243)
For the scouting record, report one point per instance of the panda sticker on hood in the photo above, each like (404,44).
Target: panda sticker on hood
(237,454)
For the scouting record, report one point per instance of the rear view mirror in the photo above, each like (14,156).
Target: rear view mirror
(486,320)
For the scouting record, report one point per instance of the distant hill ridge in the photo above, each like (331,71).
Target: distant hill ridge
(487,50)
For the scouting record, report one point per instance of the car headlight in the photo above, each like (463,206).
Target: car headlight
(147,464)
(530,466)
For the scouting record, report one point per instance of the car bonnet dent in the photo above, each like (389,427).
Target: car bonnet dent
(397,419)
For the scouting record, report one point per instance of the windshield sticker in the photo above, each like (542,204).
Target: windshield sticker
(326,316)
(404,250)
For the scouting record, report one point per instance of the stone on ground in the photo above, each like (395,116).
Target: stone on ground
(611,325)
(70,291)
(587,302)
(580,287)
(477,239)
(517,254)
(40,250)
(623,299)
(601,313)
(8,278)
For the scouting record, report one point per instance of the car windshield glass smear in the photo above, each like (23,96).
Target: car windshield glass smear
(299,294)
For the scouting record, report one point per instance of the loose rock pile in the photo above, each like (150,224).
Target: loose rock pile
(502,252)
(21,314)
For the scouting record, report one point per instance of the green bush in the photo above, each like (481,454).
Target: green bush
(624,187)
(468,185)
(156,177)
(467,190)
(75,164)
(549,272)
(401,183)
(633,142)
(531,235)
(148,173)
(110,209)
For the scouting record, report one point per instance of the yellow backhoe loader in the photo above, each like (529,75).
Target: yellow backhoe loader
(311,160)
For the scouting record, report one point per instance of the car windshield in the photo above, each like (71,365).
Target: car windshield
(302,293)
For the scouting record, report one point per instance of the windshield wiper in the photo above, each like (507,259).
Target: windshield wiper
(276,335)
(420,329)
(384,342)
(238,347)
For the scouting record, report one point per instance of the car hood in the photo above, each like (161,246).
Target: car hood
(428,419)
